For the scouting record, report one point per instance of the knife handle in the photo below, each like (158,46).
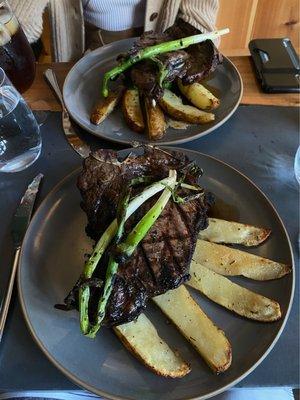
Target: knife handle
(7,296)
(51,78)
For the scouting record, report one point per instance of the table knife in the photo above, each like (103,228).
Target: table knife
(20,223)
(82,148)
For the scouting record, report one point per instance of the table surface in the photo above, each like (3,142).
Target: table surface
(40,97)
(266,148)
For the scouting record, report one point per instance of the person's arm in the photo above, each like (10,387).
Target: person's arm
(30,15)
(201,14)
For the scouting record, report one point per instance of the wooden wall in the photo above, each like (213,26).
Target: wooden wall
(251,19)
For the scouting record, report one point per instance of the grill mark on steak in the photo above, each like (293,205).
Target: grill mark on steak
(161,261)
(148,264)
(183,216)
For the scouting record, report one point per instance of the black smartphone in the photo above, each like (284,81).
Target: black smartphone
(276,64)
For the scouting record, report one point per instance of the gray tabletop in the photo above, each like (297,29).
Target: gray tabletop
(259,141)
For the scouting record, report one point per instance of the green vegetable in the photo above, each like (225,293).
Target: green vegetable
(104,241)
(129,245)
(126,248)
(152,51)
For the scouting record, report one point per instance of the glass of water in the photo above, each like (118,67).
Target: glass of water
(20,139)
(297,165)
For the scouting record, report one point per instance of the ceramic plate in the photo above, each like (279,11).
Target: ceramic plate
(83,84)
(52,259)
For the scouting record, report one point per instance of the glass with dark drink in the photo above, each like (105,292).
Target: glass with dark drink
(16,56)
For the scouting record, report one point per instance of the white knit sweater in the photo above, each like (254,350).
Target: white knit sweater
(30,16)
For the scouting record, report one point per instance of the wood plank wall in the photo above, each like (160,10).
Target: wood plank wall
(250,19)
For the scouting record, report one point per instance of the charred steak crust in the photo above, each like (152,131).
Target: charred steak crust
(161,261)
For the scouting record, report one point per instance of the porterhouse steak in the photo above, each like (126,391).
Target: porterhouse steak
(161,261)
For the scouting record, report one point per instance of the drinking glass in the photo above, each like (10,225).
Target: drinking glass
(297,165)
(20,140)
(16,56)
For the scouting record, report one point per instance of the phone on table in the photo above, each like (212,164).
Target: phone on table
(276,64)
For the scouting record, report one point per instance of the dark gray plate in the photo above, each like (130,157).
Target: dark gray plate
(83,84)
(52,259)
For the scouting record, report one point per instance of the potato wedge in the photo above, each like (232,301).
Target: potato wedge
(234,297)
(173,105)
(210,341)
(132,110)
(105,106)
(228,261)
(141,338)
(222,231)
(155,120)
(198,95)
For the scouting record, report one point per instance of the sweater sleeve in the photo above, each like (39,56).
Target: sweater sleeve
(202,14)
(30,16)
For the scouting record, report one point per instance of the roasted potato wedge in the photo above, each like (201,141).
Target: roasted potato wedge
(141,338)
(198,95)
(221,231)
(210,341)
(106,105)
(228,261)
(234,297)
(173,106)
(132,110)
(155,120)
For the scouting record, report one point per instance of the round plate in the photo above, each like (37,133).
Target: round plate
(52,259)
(83,85)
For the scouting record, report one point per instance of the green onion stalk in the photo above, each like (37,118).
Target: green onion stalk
(103,243)
(128,246)
(153,51)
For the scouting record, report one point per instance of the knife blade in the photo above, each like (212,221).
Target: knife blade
(81,147)
(20,223)
(23,213)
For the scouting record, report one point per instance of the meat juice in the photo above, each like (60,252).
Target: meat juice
(16,56)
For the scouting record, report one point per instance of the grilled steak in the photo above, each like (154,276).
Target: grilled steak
(191,64)
(144,77)
(144,74)
(204,57)
(161,261)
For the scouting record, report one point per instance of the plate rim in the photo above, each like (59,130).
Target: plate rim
(161,143)
(92,389)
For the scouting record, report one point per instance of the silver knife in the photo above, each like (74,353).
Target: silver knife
(82,148)
(20,223)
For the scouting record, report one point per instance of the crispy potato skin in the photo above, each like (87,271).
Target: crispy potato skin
(234,297)
(141,339)
(222,231)
(228,261)
(173,106)
(105,106)
(132,111)
(199,96)
(155,120)
(210,341)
